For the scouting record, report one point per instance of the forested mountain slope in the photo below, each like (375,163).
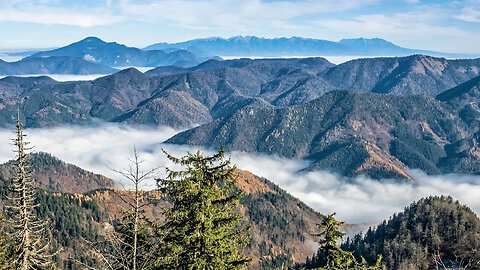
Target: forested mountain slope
(429,233)
(410,75)
(343,131)
(53,174)
(281,224)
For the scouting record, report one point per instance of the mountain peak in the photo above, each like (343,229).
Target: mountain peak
(128,73)
(113,54)
(211,39)
(91,40)
(423,57)
(243,38)
(366,42)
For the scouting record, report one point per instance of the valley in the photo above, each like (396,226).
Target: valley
(287,107)
(387,143)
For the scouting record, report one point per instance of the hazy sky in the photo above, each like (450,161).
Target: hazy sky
(442,25)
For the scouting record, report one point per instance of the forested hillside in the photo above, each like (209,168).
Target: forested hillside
(430,234)
(281,224)
(344,131)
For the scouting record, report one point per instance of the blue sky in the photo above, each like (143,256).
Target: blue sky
(448,26)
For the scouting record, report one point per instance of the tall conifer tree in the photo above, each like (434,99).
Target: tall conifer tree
(202,229)
(330,256)
(31,251)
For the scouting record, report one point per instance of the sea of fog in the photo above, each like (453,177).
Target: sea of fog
(62,77)
(357,200)
(73,77)
(10,58)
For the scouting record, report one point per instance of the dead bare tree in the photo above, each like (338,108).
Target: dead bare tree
(31,250)
(136,177)
(460,263)
(129,245)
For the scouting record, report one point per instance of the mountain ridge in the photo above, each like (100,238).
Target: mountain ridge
(381,136)
(54,174)
(113,54)
(293,46)
(365,126)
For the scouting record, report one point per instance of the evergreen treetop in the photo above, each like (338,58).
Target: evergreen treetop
(332,257)
(202,228)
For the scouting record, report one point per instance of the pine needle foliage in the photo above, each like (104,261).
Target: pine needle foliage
(202,229)
(330,256)
(5,245)
(31,251)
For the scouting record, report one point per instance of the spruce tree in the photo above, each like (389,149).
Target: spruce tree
(330,256)
(31,251)
(202,229)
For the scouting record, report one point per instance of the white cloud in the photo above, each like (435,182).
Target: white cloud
(83,14)
(358,200)
(412,23)
(425,28)
(63,77)
(58,16)
(434,26)
(469,14)
(225,11)
(202,14)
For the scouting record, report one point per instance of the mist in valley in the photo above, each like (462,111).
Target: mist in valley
(355,200)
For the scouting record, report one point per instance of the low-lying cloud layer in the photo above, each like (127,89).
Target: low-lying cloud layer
(358,200)
(62,77)
(74,77)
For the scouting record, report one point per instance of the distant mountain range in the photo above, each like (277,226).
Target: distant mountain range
(399,113)
(113,54)
(95,56)
(294,46)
